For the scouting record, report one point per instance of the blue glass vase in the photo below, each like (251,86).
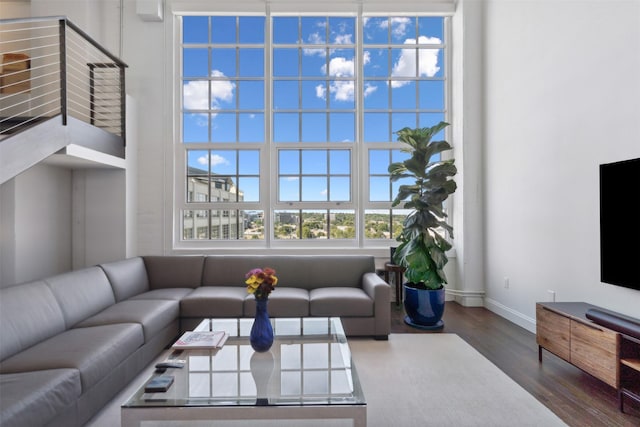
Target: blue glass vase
(261,336)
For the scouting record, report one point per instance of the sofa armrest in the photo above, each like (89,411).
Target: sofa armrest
(380,291)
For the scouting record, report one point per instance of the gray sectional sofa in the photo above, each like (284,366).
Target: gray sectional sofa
(69,343)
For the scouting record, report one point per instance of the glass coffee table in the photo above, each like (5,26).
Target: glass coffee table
(307,374)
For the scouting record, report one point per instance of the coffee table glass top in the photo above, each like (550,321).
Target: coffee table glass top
(309,364)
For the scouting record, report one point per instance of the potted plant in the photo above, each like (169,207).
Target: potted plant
(423,244)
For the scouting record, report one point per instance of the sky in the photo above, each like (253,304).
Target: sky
(313,96)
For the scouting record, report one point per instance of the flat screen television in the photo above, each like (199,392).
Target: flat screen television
(620,223)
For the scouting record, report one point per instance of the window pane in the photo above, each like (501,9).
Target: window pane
(342,94)
(222,94)
(248,189)
(342,127)
(314,224)
(377,224)
(403,95)
(342,225)
(223,162)
(340,187)
(402,120)
(289,189)
(431,95)
(342,30)
(251,95)
(314,62)
(376,62)
(223,29)
(314,127)
(251,62)
(285,62)
(314,162)
(195,95)
(314,189)
(289,162)
(195,127)
(430,62)
(197,162)
(285,224)
(285,127)
(430,30)
(314,94)
(314,30)
(376,30)
(376,95)
(403,63)
(195,63)
(254,225)
(378,162)
(340,162)
(251,29)
(379,189)
(285,94)
(403,30)
(249,162)
(195,29)
(376,127)
(223,127)
(223,62)
(251,127)
(432,119)
(285,30)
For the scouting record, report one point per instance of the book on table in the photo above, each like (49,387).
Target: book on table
(201,340)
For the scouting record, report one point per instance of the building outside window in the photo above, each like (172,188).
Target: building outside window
(288,124)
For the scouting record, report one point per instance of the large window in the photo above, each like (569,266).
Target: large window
(288,124)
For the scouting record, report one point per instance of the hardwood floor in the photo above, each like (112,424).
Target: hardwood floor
(576,397)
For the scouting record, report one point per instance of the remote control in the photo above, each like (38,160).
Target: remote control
(171,364)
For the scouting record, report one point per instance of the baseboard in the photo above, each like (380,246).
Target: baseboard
(466,298)
(516,317)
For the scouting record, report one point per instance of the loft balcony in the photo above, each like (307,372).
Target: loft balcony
(62,97)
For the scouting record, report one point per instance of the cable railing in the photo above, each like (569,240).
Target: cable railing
(49,68)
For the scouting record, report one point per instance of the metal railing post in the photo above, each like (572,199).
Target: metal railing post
(63,71)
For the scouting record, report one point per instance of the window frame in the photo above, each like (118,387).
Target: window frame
(269,198)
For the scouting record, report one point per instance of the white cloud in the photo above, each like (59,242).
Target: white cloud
(399,26)
(344,39)
(324,192)
(215,160)
(196,96)
(343,90)
(406,64)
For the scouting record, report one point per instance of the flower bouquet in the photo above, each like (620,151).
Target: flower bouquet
(261,281)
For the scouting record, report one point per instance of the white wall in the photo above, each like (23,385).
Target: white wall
(36,224)
(562,95)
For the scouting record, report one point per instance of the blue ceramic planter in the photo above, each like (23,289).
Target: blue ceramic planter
(261,336)
(424,307)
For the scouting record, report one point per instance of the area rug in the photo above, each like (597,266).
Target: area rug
(411,380)
(440,380)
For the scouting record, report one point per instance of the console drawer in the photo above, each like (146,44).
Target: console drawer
(553,332)
(595,350)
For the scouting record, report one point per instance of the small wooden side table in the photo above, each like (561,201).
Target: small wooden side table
(398,270)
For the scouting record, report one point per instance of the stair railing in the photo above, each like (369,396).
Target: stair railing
(49,68)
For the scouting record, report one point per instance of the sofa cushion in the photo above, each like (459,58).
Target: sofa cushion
(214,301)
(153,315)
(283,302)
(347,302)
(175,294)
(128,277)
(174,271)
(94,351)
(29,313)
(34,398)
(301,271)
(81,293)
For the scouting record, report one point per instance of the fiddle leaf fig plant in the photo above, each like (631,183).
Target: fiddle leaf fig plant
(423,244)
